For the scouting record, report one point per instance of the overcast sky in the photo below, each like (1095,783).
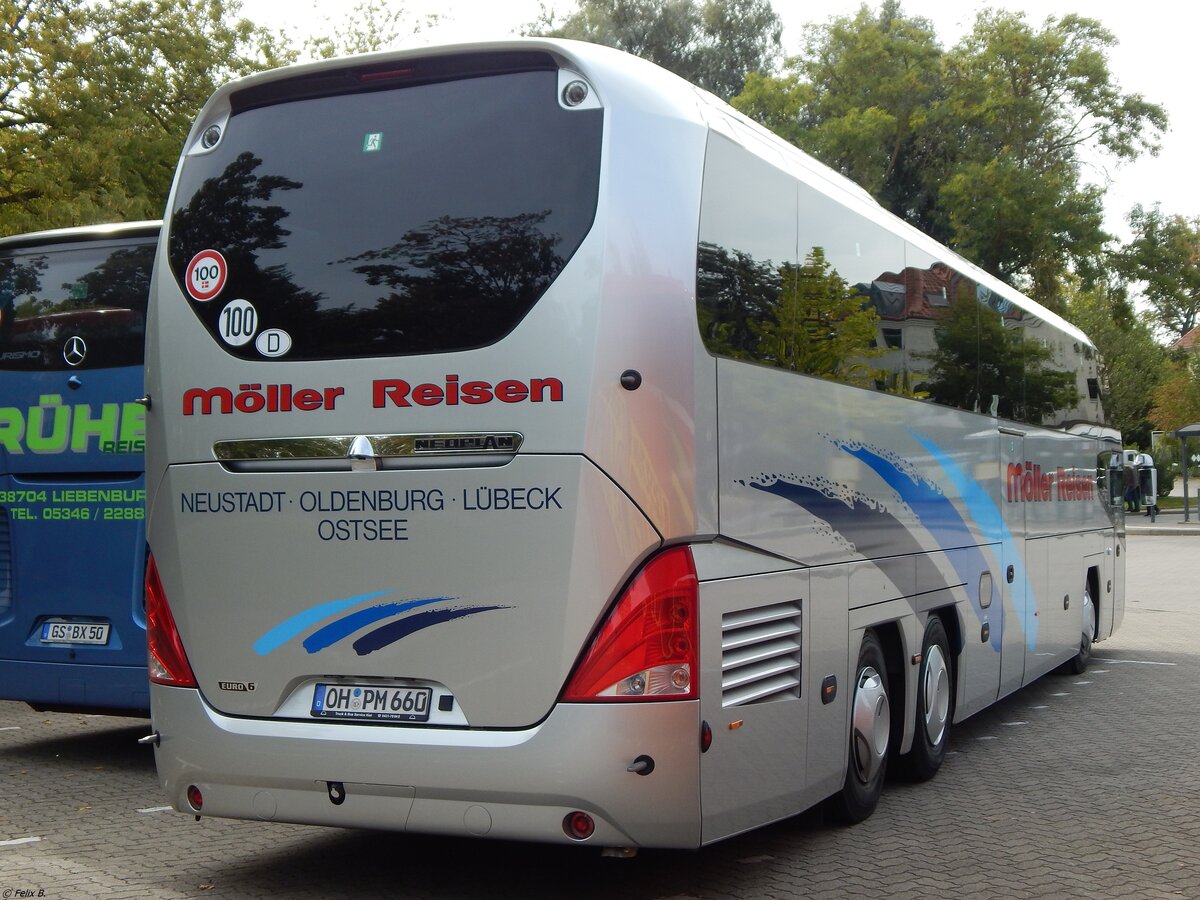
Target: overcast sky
(1155,57)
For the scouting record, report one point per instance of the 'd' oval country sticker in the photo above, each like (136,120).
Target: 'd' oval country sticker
(206,275)
(273,342)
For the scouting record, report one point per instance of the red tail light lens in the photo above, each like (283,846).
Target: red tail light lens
(647,647)
(167,661)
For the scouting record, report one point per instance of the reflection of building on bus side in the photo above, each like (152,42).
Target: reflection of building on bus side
(910,304)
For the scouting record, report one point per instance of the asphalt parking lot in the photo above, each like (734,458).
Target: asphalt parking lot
(1074,787)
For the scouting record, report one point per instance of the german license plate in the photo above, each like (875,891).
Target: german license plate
(74,633)
(381,703)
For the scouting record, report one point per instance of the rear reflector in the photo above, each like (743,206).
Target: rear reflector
(579,826)
(647,647)
(168,662)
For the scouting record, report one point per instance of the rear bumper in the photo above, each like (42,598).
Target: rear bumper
(499,784)
(76,686)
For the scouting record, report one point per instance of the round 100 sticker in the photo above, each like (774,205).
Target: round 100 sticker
(206,275)
(238,322)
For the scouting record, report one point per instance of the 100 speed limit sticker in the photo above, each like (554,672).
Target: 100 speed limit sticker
(238,322)
(205,275)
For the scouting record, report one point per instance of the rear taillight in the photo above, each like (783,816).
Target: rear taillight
(647,647)
(168,662)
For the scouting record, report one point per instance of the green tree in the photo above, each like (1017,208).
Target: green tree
(33,57)
(779,102)
(734,292)
(980,145)
(804,318)
(1176,400)
(858,98)
(823,326)
(1131,363)
(978,359)
(1022,104)
(712,43)
(1164,256)
(369,26)
(96,99)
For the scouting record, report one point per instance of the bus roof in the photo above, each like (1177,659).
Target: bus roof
(657,88)
(146,228)
(739,128)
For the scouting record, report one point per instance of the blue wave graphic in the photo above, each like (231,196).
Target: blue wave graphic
(872,530)
(289,628)
(402,628)
(939,516)
(335,631)
(990,518)
(875,532)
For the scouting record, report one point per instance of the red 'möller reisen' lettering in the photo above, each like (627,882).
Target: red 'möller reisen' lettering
(252,398)
(398,392)
(1028,483)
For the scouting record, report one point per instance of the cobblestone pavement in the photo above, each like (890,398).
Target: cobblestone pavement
(1074,787)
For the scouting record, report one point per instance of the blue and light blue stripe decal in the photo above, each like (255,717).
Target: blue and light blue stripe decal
(289,628)
(402,628)
(868,525)
(987,515)
(939,516)
(343,627)
(871,528)
(876,532)
(347,625)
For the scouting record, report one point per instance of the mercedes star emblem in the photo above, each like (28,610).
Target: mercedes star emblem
(75,350)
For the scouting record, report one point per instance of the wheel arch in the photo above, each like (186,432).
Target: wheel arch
(954,634)
(1092,583)
(899,690)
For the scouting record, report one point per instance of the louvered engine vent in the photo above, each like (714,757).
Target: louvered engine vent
(760,654)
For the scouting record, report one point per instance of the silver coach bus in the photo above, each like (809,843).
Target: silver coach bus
(540,449)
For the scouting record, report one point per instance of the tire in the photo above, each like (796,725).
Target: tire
(1078,664)
(935,704)
(870,725)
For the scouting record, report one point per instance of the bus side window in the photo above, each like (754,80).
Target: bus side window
(747,248)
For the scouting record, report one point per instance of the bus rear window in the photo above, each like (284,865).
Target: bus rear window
(425,218)
(74,306)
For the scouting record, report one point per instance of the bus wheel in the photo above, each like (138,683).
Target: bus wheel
(935,700)
(1078,664)
(870,725)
